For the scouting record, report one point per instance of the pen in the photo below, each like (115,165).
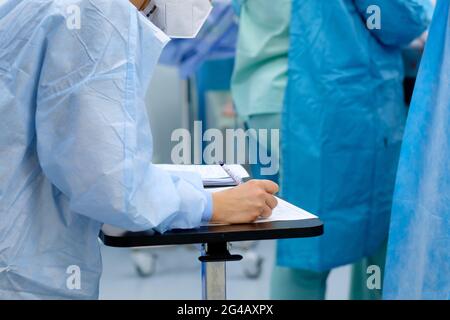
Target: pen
(235,178)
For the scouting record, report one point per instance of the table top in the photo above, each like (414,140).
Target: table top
(212,234)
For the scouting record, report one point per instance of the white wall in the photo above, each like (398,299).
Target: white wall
(167,110)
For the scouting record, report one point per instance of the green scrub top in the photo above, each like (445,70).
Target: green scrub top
(260,73)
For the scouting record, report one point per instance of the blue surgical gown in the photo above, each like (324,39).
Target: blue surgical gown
(75,144)
(343,124)
(418,257)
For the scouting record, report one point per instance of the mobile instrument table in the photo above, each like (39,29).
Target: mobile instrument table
(215,244)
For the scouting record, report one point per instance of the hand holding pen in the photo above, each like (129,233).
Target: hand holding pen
(245,203)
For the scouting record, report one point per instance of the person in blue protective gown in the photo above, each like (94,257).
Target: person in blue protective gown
(342,127)
(418,256)
(76,146)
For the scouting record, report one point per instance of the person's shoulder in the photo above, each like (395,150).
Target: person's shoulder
(84,3)
(83,38)
(92,19)
(108,9)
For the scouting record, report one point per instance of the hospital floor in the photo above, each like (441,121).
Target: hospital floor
(177,276)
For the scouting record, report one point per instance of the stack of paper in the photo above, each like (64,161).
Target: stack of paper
(212,175)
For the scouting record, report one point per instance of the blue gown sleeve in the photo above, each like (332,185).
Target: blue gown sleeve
(418,255)
(401,20)
(93,136)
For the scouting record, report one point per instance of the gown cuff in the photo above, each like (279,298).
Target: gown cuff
(207,213)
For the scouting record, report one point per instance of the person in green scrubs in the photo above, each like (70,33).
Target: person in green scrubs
(258,87)
(260,73)
(299,284)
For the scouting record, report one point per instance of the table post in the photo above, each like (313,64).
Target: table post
(214,258)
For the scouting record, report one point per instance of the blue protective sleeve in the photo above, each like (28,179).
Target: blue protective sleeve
(93,135)
(401,20)
(418,255)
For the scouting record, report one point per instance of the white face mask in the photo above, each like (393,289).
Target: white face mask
(178,18)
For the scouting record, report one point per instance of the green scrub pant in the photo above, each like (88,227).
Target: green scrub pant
(296,284)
